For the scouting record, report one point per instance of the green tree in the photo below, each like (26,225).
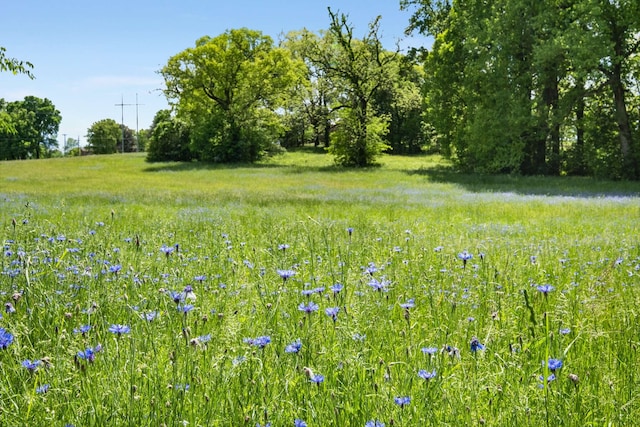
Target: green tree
(227,90)
(358,70)
(513,87)
(169,139)
(30,128)
(104,136)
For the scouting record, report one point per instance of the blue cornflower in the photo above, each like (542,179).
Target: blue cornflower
(5,338)
(89,354)
(545,289)
(299,423)
(9,308)
(350,231)
(185,308)
(336,288)
(294,347)
(317,379)
(409,304)
(31,366)
(554,364)
(426,375)
(115,268)
(286,274)
(266,425)
(464,256)
(119,329)
(550,378)
(283,247)
(332,312)
(429,350)
(200,278)
(565,331)
(260,342)
(82,329)
(402,401)
(177,297)
(476,345)
(308,308)
(378,285)
(167,250)
(374,423)
(42,389)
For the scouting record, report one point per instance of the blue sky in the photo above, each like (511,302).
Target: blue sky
(88,55)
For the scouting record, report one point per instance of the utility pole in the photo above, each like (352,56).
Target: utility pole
(64,143)
(137,145)
(122,105)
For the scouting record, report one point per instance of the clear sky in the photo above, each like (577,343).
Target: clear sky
(89,55)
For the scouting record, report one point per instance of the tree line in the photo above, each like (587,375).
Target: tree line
(548,87)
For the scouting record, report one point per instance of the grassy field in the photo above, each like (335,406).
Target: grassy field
(294,292)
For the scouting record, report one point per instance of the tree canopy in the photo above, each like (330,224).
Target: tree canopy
(227,90)
(29,128)
(533,87)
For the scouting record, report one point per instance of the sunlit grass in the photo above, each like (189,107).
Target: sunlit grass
(112,240)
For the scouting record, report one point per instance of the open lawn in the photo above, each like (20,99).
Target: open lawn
(294,292)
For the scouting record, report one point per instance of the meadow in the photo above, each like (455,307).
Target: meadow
(297,293)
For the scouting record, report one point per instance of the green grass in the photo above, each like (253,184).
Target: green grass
(92,241)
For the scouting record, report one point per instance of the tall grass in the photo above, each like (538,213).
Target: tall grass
(447,295)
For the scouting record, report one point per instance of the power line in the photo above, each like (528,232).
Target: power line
(122,105)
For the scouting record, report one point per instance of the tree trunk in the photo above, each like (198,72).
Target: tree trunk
(622,119)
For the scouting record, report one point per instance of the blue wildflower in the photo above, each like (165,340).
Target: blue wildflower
(42,389)
(308,308)
(299,423)
(317,379)
(294,347)
(167,250)
(426,375)
(545,289)
(260,342)
(5,338)
(332,312)
(402,401)
(286,274)
(554,364)
(82,329)
(464,256)
(31,366)
(185,308)
(374,423)
(378,285)
(409,304)
(115,268)
(429,350)
(119,329)
(336,288)
(283,247)
(565,331)
(476,345)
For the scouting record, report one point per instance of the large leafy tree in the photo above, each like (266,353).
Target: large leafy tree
(358,69)
(227,89)
(104,136)
(30,129)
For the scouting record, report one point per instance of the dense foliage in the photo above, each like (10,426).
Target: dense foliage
(545,87)
(28,128)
